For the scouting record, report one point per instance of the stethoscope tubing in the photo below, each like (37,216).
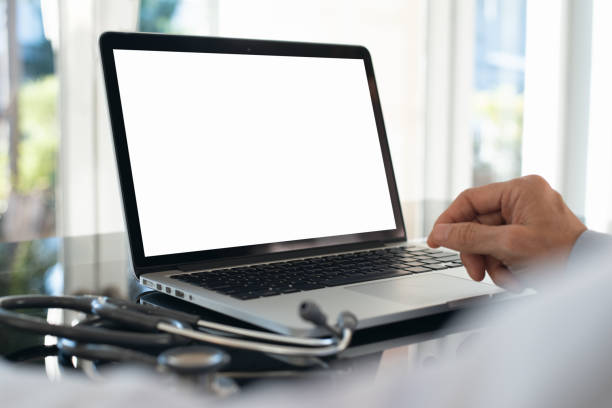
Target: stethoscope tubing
(320,351)
(255,334)
(87,334)
(176,327)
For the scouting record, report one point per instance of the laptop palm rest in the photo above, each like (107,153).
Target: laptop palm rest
(432,288)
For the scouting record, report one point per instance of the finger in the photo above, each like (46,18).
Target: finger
(494,218)
(473,238)
(475,265)
(500,274)
(475,201)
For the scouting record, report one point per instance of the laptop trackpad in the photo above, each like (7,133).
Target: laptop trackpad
(423,290)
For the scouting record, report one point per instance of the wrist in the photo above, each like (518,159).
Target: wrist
(592,247)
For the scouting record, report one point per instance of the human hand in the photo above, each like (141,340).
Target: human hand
(507,226)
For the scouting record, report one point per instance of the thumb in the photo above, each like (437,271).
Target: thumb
(470,237)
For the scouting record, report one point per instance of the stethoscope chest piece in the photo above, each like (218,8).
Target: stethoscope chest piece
(193,360)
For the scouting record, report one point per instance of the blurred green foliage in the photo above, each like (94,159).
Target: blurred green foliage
(23,265)
(5,185)
(23,268)
(38,125)
(156,15)
(38,143)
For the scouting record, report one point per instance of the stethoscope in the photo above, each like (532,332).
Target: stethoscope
(171,330)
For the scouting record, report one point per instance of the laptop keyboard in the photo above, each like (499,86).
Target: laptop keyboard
(250,282)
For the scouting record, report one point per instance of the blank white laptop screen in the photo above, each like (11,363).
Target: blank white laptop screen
(230,150)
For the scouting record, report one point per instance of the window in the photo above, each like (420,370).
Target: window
(499,77)
(193,17)
(28,123)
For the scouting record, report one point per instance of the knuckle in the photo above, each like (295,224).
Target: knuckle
(536,181)
(558,198)
(461,197)
(507,242)
(466,234)
(510,241)
(468,191)
(466,194)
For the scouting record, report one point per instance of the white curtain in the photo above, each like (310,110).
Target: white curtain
(599,162)
(567,126)
(88,200)
(557,73)
(448,108)
(447,149)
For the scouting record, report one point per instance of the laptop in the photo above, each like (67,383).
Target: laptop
(257,174)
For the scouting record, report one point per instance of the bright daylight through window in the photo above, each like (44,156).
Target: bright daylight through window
(28,123)
(499,78)
(29,86)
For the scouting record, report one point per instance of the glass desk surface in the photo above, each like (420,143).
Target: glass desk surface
(99,264)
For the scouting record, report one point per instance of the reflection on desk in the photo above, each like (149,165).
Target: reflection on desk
(99,264)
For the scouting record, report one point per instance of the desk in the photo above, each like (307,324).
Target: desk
(99,264)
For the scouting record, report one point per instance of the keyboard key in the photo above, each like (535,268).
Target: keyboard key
(345,280)
(441,254)
(308,286)
(245,296)
(418,269)
(289,290)
(266,293)
(219,287)
(413,249)
(407,258)
(437,266)
(451,258)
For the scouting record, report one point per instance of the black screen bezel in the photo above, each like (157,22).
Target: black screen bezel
(110,41)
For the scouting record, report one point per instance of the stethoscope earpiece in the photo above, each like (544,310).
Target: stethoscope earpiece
(310,312)
(347,320)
